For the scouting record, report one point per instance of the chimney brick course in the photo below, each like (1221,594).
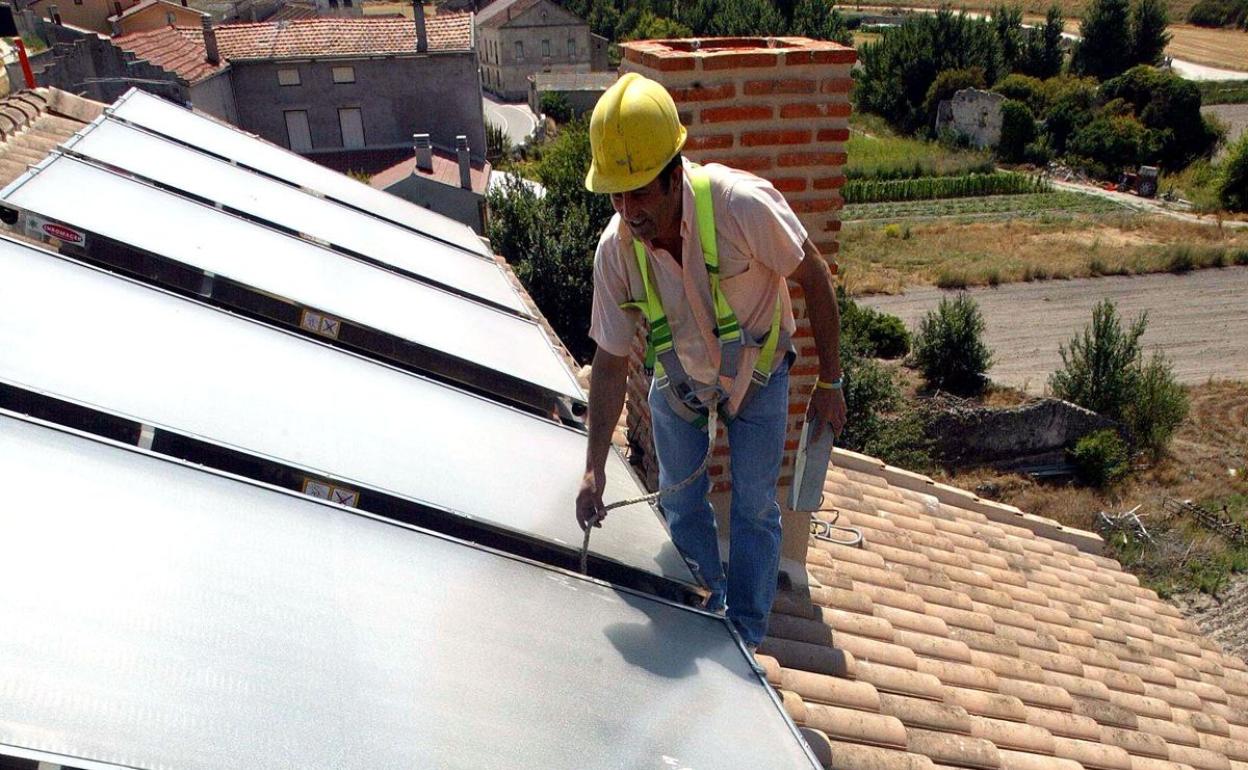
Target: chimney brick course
(777,107)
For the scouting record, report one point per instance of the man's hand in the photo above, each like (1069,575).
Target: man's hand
(589,507)
(827,408)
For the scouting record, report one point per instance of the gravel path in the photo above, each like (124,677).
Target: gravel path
(1200,320)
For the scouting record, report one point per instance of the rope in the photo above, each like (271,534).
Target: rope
(711,427)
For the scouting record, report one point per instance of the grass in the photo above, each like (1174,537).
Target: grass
(875,152)
(938,187)
(1182,555)
(961,252)
(1223,91)
(1027,205)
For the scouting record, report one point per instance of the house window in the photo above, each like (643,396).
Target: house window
(298,135)
(571,48)
(546,48)
(519,50)
(344,74)
(288,76)
(352,124)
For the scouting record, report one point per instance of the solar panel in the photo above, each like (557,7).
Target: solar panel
(77,333)
(113,212)
(216,181)
(233,144)
(161,616)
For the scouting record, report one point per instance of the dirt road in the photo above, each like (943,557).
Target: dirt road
(1200,320)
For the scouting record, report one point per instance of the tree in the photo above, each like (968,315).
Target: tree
(1018,129)
(1149,38)
(1233,179)
(1024,88)
(1110,143)
(732,18)
(949,348)
(1007,23)
(1105,46)
(1042,48)
(1099,367)
(819,19)
(1169,106)
(556,107)
(947,84)
(652,27)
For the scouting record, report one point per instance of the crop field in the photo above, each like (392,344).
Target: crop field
(876,153)
(935,187)
(1029,205)
(1223,91)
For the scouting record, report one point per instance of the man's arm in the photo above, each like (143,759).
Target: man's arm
(815,278)
(608,381)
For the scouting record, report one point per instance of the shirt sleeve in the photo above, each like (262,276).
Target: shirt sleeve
(611,326)
(768,225)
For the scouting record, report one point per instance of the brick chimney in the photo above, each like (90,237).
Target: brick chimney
(778,107)
(211,53)
(422,37)
(424,152)
(465,162)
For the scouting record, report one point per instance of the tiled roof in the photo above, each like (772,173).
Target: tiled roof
(574,81)
(34,122)
(328,36)
(179,50)
(965,633)
(502,11)
(445,170)
(139,6)
(293,9)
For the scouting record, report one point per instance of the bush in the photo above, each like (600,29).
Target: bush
(870,332)
(949,349)
(1100,458)
(1018,130)
(1219,13)
(1110,143)
(1025,89)
(1099,367)
(1233,178)
(1169,106)
(946,84)
(1158,408)
(556,107)
(497,143)
(871,393)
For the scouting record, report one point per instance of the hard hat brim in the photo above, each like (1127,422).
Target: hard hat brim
(597,181)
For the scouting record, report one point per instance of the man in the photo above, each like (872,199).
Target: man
(702,253)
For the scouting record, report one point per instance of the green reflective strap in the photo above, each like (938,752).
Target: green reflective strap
(727,327)
(768,354)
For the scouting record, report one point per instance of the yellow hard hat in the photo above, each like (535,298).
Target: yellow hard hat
(633,133)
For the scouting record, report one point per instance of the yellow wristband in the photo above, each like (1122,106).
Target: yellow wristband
(833,385)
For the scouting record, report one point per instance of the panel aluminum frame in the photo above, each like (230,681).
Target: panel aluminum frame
(205,133)
(293,282)
(184,170)
(72,331)
(170,616)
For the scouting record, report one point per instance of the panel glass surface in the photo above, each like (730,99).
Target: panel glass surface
(77,193)
(89,336)
(162,616)
(182,124)
(180,168)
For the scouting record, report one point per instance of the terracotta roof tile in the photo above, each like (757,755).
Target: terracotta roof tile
(179,50)
(332,36)
(36,121)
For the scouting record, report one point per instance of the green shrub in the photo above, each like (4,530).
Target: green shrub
(556,107)
(948,83)
(931,188)
(1219,13)
(1100,458)
(949,348)
(1018,129)
(871,393)
(1181,260)
(1110,143)
(1025,89)
(871,332)
(1158,408)
(497,143)
(1233,178)
(1169,107)
(1100,366)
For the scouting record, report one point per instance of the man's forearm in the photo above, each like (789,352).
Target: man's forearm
(825,315)
(608,382)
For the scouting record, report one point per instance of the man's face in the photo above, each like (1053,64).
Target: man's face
(652,212)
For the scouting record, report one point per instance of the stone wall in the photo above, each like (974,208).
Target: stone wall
(974,114)
(973,435)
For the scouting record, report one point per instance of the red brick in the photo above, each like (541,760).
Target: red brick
(632,54)
(721,451)
(832,135)
(732,61)
(711,142)
(790,86)
(795,408)
(830,56)
(791,445)
(721,487)
(811,205)
(811,159)
(803,370)
(763,138)
(667,62)
(814,110)
(809,350)
(828,247)
(742,162)
(837,85)
(829,182)
(704,94)
(715,470)
(789,184)
(737,112)
(686,117)
(832,226)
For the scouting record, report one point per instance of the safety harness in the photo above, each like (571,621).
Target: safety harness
(683,393)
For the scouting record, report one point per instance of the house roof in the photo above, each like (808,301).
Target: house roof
(966,633)
(445,170)
(179,50)
(500,12)
(34,122)
(575,81)
(145,4)
(329,36)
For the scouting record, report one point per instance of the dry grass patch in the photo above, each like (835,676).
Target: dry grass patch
(1224,48)
(957,254)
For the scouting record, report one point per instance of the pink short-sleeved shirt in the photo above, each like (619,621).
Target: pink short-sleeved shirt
(760,243)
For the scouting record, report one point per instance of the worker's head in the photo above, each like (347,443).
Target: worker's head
(635,137)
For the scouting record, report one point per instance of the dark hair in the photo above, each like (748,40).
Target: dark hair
(665,176)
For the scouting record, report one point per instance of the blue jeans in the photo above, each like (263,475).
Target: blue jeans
(756,443)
